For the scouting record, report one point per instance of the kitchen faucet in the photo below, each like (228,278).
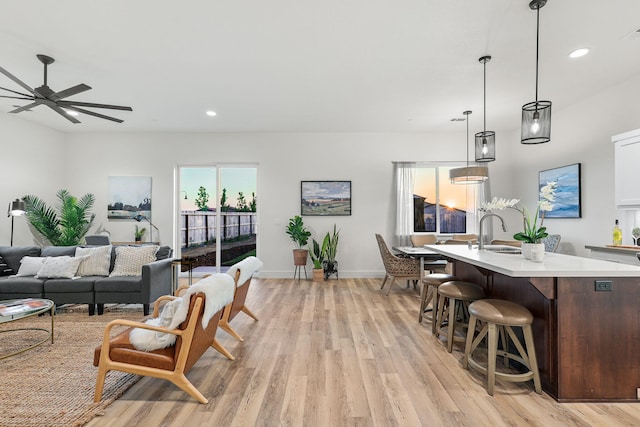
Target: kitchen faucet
(480,236)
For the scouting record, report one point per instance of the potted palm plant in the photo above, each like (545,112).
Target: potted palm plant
(300,236)
(317,257)
(65,225)
(330,248)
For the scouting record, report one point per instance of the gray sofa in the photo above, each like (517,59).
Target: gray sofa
(154,281)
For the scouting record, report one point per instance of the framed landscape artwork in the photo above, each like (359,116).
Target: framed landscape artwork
(129,196)
(325,198)
(568,191)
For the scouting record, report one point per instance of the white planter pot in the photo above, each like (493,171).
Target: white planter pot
(533,251)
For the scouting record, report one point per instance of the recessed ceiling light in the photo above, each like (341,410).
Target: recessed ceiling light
(71,112)
(579,52)
(211,113)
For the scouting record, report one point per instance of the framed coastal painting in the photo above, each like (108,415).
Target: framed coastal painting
(129,196)
(325,198)
(568,191)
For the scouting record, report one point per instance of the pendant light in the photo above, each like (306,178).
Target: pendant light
(536,116)
(469,174)
(485,140)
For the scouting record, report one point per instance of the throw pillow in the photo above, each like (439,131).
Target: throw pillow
(130,259)
(5,270)
(59,267)
(30,265)
(97,261)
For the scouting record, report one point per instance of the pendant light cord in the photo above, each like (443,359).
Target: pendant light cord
(537,48)
(484,114)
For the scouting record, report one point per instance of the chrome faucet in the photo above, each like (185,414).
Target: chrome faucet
(480,236)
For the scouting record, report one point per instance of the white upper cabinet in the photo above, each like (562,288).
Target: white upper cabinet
(627,169)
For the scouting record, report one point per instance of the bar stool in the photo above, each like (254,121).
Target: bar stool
(454,292)
(430,285)
(502,315)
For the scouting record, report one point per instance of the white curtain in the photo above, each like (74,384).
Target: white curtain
(405,177)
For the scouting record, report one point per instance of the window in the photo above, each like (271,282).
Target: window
(441,207)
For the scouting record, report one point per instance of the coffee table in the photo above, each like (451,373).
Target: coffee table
(16,309)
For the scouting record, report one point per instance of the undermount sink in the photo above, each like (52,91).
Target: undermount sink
(502,249)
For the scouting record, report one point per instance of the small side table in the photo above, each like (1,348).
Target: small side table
(176,265)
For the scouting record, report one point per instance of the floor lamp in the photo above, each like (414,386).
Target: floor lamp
(16,208)
(140,218)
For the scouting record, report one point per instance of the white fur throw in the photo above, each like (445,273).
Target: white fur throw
(247,266)
(218,290)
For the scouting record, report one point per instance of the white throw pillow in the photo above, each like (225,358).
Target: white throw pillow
(59,267)
(30,265)
(97,261)
(130,259)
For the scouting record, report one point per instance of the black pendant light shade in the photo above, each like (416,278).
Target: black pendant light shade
(536,122)
(485,146)
(536,115)
(485,140)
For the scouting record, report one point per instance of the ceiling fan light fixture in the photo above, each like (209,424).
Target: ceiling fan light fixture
(57,101)
(536,115)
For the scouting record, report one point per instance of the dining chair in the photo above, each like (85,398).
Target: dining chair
(551,242)
(419,240)
(397,267)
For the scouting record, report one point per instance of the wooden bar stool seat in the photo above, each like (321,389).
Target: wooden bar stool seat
(458,295)
(429,293)
(498,318)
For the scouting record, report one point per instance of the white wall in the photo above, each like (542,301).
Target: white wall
(579,134)
(283,161)
(32,162)
(42,161)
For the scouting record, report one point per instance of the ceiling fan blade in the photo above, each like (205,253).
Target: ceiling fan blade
(17,80)
(71,91)
(63,113)
(89,104)
(17,97)
(25,107)
(91,113)
(17,93)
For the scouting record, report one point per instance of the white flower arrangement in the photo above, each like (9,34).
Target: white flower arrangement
(533,232)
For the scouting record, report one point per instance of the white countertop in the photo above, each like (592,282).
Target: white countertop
(554,264)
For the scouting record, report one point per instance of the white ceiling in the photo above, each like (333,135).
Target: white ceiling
(314,66)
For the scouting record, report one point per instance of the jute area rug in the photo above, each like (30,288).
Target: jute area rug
(53,384)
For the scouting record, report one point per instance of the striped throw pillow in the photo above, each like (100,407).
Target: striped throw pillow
(97,261)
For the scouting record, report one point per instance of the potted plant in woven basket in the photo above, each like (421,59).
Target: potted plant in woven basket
(300,235)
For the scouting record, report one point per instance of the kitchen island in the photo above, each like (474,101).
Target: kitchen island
(586,317)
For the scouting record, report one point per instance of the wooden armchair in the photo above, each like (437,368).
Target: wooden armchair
(396,267)
(237,306)
(171,363)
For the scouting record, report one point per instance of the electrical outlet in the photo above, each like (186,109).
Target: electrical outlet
(604,285)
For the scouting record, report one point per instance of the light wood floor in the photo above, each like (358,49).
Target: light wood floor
(341,353)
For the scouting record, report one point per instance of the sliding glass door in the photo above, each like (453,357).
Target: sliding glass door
(217,224)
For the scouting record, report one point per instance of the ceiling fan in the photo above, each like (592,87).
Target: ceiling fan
(56,100)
